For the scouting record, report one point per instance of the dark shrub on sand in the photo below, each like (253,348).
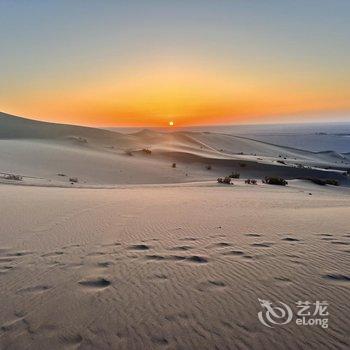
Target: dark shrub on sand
(226,180)
(251,182)
(174,165)
(322,182)
(275,181)
(208,167)
(234,175)
(147,151)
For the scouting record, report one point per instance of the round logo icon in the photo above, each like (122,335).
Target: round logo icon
(274,315)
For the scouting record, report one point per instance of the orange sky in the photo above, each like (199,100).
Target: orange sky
(186,93)
(189,94)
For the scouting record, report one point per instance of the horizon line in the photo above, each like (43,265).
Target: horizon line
(166,126)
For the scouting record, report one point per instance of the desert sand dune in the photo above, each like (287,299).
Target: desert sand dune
(154,253)
(96,157)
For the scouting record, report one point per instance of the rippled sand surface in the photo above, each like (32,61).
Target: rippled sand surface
(171,267)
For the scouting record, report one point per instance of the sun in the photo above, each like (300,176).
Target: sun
(171,123)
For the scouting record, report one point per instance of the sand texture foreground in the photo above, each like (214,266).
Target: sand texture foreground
(171,266)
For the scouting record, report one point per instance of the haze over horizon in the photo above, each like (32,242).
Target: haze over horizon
(136,63)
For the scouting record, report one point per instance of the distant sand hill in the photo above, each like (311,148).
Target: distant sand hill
(49,154)
(175,262)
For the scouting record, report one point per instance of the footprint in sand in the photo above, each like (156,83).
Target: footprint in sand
(282,280)
(139,247)
(253,234)
(220,245)
(104,264)
(193,259)
(337,277)
(176,258)
(262,244)
(155,257)
(95,283)
(340,242)
(293,256)
(290,239)
(71,246)
(20,253)
(115,244)
(181,248)
(197,259)
(248,257)
(211,285)
(52,254)
(234,252)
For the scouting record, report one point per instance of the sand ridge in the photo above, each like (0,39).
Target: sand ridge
(51,154)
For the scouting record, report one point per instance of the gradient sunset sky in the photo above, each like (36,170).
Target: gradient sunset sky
(148,62)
